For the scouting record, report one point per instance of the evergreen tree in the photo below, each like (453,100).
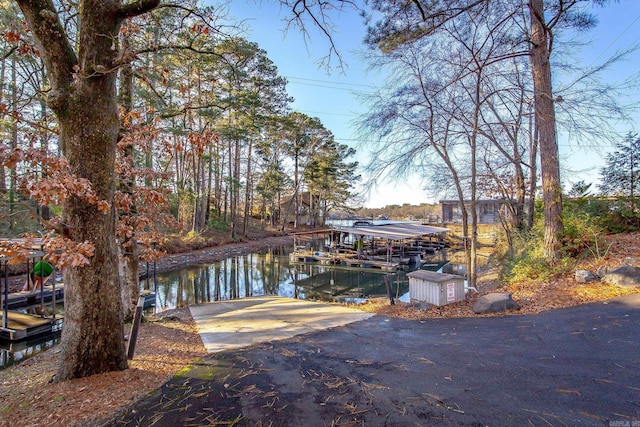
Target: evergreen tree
(621,174)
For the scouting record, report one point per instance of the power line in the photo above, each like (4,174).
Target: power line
(331,82)
(332,87)
(617,38)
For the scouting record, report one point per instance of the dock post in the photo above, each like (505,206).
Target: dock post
(5,294)
(131,345)
(387,283)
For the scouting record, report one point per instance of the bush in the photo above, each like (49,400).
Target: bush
(615,215)
(581,237)
(526,268)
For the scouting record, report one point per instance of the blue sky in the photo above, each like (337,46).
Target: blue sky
(329,94)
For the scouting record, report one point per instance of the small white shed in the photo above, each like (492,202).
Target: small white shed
(435,288)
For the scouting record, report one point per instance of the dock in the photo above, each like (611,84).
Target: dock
(371,263)
(348,260)
(22,299)
(384,247)
(23,325)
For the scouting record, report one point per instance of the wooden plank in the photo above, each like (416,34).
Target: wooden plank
(24,325)
(16,320)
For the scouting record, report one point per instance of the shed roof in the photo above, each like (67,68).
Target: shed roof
(433,276)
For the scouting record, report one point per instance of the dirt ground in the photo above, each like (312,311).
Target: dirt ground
(168,342)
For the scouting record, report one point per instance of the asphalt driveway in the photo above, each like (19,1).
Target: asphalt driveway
(570,367)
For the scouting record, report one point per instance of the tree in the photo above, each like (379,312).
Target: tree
(83,98)
(540,51)
(447,106)
(406,22)
(621,174)
(330,178)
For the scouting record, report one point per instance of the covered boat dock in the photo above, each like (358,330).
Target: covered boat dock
(385,247)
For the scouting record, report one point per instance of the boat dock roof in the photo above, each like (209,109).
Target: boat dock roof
(394,231)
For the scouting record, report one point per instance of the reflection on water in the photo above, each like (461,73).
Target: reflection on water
(16,352)
(271,273)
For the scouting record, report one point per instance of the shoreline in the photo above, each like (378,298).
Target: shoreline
(172,262)
(177,261)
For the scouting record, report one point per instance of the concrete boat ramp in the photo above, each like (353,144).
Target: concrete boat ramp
(225,325)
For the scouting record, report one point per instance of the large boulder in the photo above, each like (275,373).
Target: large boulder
(625,275)
(585,276)
(495,303)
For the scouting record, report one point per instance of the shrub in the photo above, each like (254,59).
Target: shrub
(194,240)
(582,236)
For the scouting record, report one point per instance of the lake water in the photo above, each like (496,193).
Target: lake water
(271,272)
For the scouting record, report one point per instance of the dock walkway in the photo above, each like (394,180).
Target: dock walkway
(23,325)
(24,299)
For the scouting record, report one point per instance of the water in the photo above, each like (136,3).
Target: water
(271,272)
(13,353)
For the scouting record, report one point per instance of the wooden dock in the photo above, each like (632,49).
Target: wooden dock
(23,299)
(341,259)
(23,325)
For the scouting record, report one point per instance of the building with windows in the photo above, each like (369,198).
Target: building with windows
(487,211)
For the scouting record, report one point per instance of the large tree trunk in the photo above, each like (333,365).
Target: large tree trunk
(545,123)
(83,97)
(93,325)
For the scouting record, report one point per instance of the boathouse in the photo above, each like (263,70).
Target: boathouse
(383,247)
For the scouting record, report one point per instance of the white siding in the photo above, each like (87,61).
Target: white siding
(435,288)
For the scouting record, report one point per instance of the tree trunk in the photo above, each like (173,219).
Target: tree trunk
(92,337)
(247,191)
(473,253)
(236,188)
(296,189)
(129,261)
(545,124)
(533,174)
(14,142)
(83,97)
(45,136)
(3,177)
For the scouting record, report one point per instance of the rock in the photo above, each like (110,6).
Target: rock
(585,276)
(625,275)
(601,271)
(495,303)
(421,305)
(633,261)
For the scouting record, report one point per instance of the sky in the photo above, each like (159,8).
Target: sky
(330,94)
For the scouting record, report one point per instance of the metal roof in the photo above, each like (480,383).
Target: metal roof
(394,231)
